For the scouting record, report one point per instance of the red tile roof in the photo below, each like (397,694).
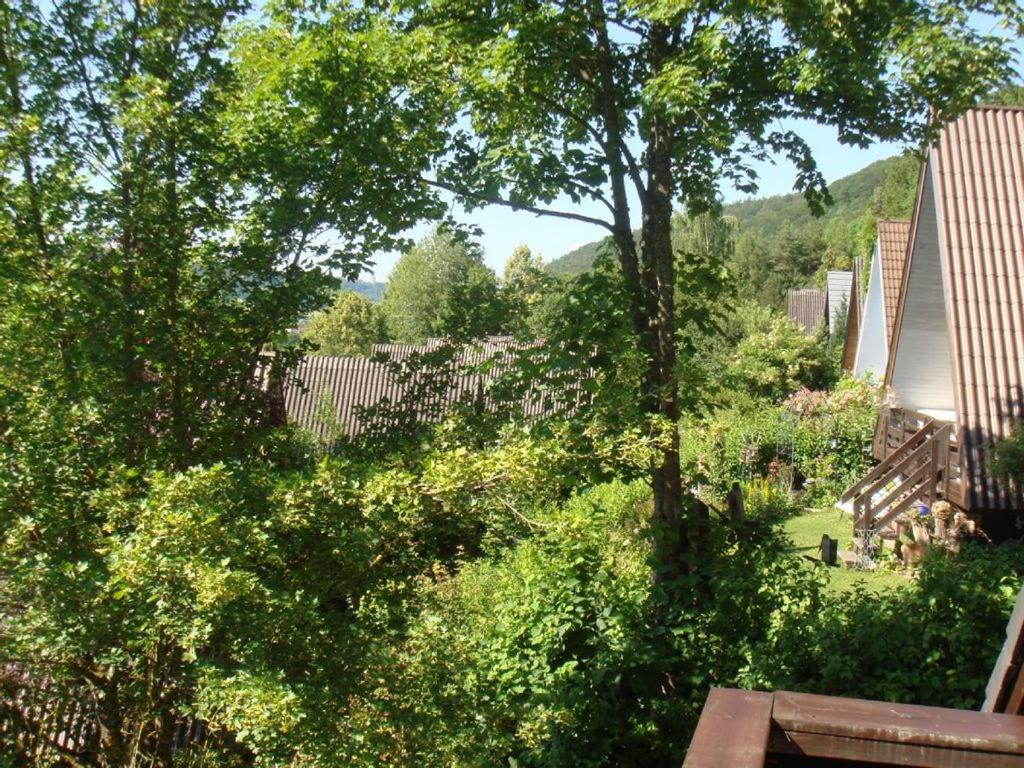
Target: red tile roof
(978,168)
(893,235)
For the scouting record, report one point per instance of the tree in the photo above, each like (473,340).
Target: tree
(167,211)
(589,99)
(440,287)
(893,199)
(172,206)
(524,287)
(774,358)
(349,327)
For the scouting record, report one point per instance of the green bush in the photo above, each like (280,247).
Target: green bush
(931,642)
(562,653)
(818,441)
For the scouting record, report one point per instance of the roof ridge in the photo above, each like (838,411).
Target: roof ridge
(1011,107)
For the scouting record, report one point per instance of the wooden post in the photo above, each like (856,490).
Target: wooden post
(735,502)
(933,466)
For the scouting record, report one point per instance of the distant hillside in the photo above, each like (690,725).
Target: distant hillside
(770,215)
(371,290)
(577,260)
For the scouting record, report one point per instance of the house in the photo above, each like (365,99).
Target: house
(336,397)
(806,308)
(853,319)
(884,283)
(955,367)
(838,284)
(809,307)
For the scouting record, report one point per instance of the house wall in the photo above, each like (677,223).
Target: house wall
(922,378)
(838,292)
(872,346)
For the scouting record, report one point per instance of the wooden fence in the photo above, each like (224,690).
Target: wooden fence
(42,725)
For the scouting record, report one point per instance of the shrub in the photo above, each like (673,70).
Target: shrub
(560,652)
(932,642)
(816,440)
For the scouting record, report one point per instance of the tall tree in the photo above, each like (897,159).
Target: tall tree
(644,106)
(524,286)
(349,327)
(441,287)
(167,208)
(177,207)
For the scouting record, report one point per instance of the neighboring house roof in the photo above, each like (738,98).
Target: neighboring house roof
(805,307)
(976,172)
(333,396)
(893,236)
(838,284)
(878,313)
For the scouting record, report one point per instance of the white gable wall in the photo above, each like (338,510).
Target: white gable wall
(872,345)
(922,378)
(838,287)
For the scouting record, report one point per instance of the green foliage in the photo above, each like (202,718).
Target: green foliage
(525,290)
(773,357)
(349,327)
(1007,462)
(815,440)
(441,287)
(550,655)
(1009,95)
(932,642)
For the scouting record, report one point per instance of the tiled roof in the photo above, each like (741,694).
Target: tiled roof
(805,307)
(978,167)
(893,235)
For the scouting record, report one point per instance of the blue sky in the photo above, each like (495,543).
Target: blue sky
(504,229)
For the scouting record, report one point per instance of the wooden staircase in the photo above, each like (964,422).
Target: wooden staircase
(916,471)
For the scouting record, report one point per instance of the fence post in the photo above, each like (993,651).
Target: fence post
(735,502)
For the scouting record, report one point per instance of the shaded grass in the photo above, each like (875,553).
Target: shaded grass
(806,530)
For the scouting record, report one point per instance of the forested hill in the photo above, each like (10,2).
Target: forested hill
(769,219)
(372,290)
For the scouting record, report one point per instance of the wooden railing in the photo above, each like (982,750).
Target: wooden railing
(896,425)
(915,471)
(751,729)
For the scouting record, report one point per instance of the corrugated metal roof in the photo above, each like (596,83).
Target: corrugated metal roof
(838,285)
(893,236)
(336,396)
(978,168)
(805,307)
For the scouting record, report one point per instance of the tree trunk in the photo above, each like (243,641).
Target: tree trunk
(661,388)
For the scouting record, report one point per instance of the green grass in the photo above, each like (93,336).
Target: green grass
(806,531)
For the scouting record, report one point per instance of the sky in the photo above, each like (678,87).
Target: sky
(502,229)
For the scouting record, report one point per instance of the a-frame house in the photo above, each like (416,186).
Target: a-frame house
(955,368)
(882,301)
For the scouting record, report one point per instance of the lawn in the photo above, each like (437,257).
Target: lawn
(806,531)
